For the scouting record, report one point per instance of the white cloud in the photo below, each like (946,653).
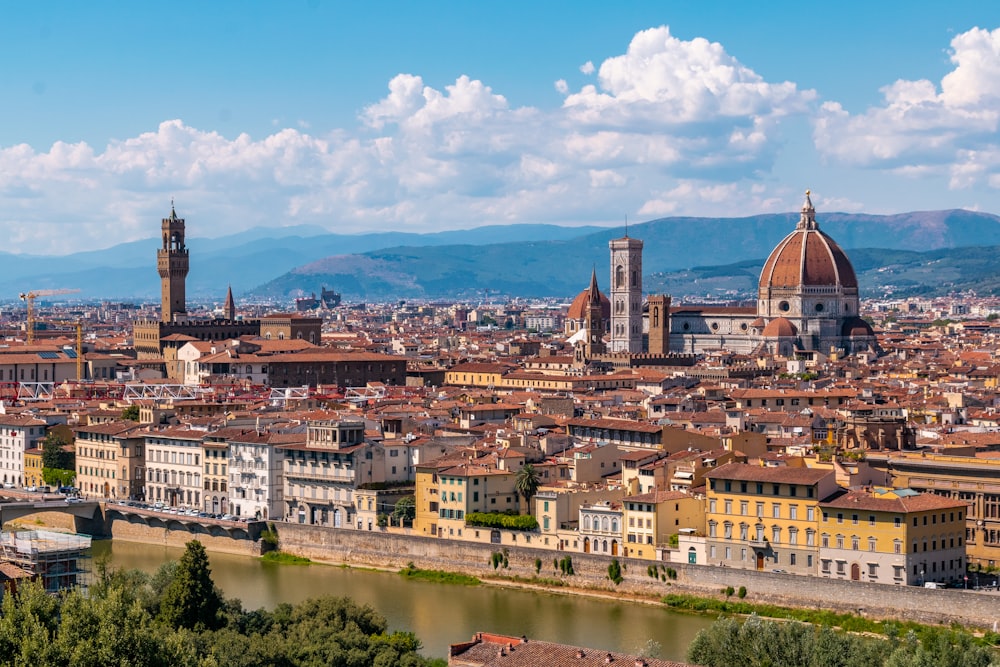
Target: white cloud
(670,126)
(923,129)
(587,68)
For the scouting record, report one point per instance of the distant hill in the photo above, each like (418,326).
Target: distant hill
(516,260)
(729,252)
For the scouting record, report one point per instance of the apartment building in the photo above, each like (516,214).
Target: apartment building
(651,518)
(110,461)
(174,466)
(18,433)
(892,536)
(321,474)
(765,517)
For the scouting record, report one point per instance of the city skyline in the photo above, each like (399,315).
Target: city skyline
(391,116)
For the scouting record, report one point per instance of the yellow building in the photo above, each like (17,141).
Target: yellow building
(765,517)
(33,467)
(892,537)
(109,460)
(972,480)
(472,487)
(651,518)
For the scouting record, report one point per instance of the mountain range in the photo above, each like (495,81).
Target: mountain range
(911,253)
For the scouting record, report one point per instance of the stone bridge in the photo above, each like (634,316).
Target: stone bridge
(88,517)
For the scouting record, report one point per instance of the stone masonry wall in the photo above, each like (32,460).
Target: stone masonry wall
(380,549)
(140,532)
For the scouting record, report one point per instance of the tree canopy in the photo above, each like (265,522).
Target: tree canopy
(729,643)
(127,620)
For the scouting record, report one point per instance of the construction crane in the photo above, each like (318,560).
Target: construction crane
(29,300)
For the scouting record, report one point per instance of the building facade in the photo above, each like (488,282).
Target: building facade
(110,461)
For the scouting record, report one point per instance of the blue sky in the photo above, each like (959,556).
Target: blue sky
(424,116)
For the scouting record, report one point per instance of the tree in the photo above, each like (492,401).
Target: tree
(405,510)
(526,482)
(191,600)
(131,413)
(54,452)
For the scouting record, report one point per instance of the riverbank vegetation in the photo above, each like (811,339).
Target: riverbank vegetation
(757,641)
(439,576)
(818,617)
(177,617)
(284,558)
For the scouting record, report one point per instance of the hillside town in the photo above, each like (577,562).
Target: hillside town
(809,432)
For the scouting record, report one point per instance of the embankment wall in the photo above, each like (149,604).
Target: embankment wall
(378,549)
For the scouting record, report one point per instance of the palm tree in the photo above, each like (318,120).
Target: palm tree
(526,482)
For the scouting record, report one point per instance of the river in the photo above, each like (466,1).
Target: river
(439,614)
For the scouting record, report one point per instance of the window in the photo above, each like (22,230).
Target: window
(776,510)
(728,507)
(824,540)
(825,565)
(810,514)
(712,526)
(872,543)
(873,570)
(743,531)
(840,541)
(871,519)
(744,507)
(897,546)
(897,522)
(841,567)
(854,519)
(793,536)
(727,530)
(793,512)
(711,506)
(776,534)
(855,542)
(840,517)
(760,510)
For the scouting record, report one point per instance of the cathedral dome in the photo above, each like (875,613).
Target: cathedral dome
(780,327)
(807,257)
(578,309)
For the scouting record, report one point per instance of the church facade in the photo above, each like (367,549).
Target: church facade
(807,304)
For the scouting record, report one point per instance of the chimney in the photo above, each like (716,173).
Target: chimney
(609,659)
(580,654)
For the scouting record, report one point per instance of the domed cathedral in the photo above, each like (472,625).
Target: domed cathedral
(588,341)
(807,302)
(576,316)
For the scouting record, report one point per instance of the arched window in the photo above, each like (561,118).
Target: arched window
(614,525)
(656,316)
(586,523)
(619,276)
(604,525)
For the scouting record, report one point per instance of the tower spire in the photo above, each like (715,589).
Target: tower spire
(229,307)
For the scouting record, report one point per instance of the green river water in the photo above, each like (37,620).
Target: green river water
(439,614)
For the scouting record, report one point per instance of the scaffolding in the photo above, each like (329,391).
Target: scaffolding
(57,560)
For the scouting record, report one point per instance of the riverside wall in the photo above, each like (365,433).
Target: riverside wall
(127,531)
(381,549)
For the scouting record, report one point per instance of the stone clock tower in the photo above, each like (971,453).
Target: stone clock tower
(172,265)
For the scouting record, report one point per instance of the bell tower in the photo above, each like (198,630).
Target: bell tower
(172,265)
(626,295)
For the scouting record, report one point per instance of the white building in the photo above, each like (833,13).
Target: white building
(17,433)
(256,482)
(174,467)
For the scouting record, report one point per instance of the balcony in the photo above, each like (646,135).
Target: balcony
(756,543)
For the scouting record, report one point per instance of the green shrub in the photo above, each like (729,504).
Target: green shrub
(742,593)
(498,520)
(615,571)
(538,565)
